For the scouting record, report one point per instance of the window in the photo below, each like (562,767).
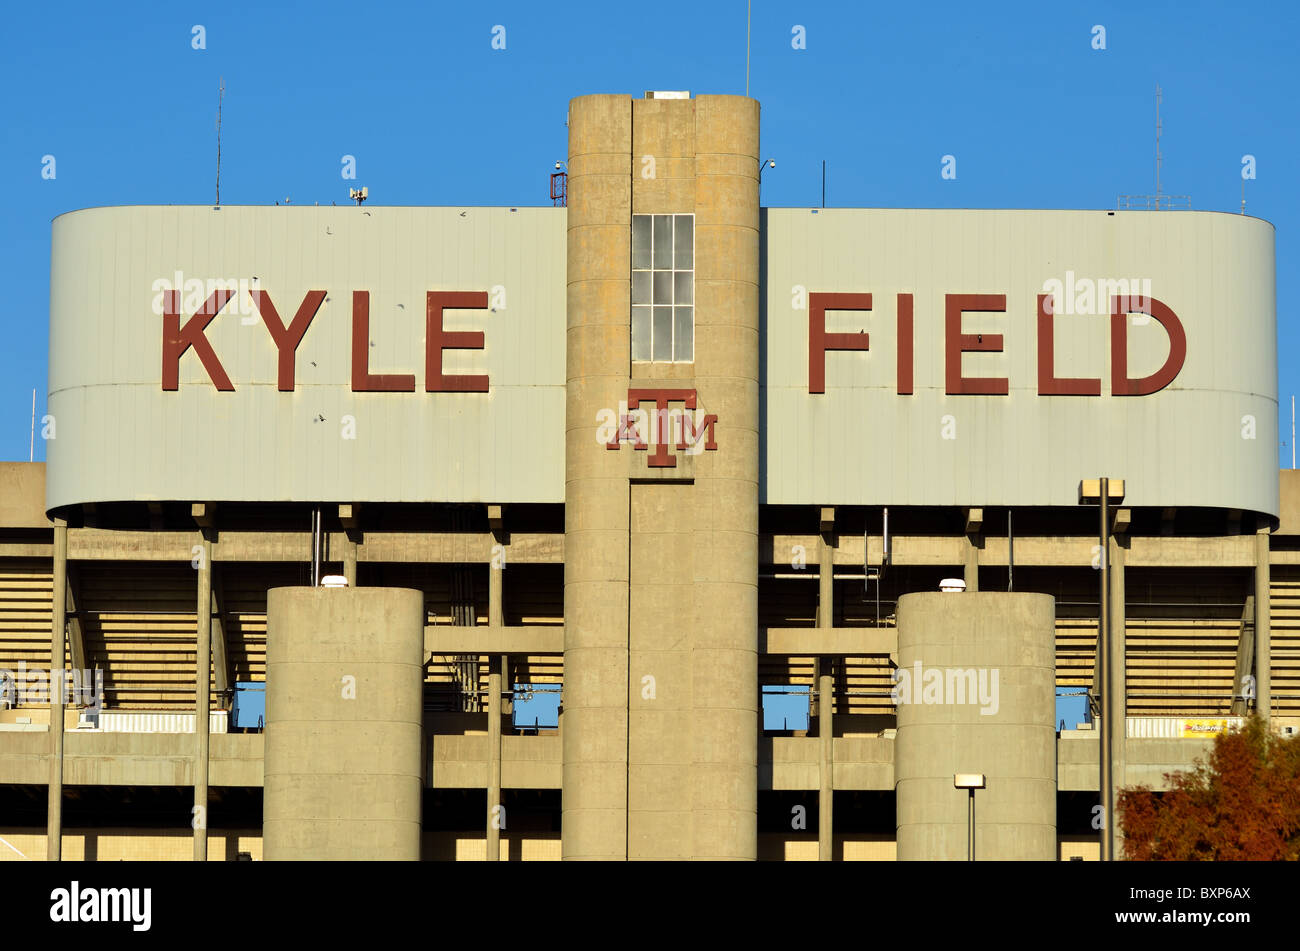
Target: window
(663,288)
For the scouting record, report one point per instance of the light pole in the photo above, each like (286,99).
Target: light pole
(969,782)
(1102,492)
(770,163)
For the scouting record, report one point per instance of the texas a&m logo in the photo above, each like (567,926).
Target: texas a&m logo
(665,426)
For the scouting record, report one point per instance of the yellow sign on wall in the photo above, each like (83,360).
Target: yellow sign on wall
(1204,729)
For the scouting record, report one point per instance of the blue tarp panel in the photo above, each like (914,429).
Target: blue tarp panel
(248,710)
(786,706)
(537,706)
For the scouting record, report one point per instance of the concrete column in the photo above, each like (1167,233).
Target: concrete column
(724,642)
(826,705)
(495,682)
(202,701)
(971,565)
(1263,627)
(976,691)
(349,558)
(344,723)
(54,823)
(494,813)
(496,618)
(1117,671)
(594,722)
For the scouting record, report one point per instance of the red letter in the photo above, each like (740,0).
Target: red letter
(363,381)
(704,429)
(286,341)
(661,458)
(1049,384)
(819,341)
(436,340)
(904,344)
(959,343)
(1120,308)
(177,340)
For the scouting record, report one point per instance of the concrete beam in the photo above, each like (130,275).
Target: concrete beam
(90,544)
(830,642)
(204,514)
(490,639)
(1090,491)
(974,521)
(1236,551)
(1167,520)
(92,758)
(827,519)
(1120,521)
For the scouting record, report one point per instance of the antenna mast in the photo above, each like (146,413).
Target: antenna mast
(1157,145)
(221,94)
(749,12)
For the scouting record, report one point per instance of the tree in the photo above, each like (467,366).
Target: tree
(1244,804)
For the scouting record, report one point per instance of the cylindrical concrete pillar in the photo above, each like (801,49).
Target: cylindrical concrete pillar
(344,680)
(975,693)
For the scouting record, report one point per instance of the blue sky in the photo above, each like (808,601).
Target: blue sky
(1036,117)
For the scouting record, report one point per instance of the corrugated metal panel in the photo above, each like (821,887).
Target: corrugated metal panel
(122,438)
(863,443)
(142,722)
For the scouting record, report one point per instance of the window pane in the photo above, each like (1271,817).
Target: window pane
(683,340)
(663,287)
(640,333)
(685,287)
(663,241)
(663,335)
(640,287)
(640,240)
(685,225)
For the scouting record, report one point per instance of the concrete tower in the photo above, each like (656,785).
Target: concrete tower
(344,682)
(977,675)
(661,507)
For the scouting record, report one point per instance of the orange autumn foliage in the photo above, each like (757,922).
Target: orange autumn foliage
(1243,804)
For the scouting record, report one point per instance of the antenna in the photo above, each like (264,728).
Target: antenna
(749,11)
(1159,200)
(31,457)
(1157,145)
(221,94)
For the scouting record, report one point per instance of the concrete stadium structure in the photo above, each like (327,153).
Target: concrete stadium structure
(670,454)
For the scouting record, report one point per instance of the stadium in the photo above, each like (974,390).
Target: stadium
(653,524)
